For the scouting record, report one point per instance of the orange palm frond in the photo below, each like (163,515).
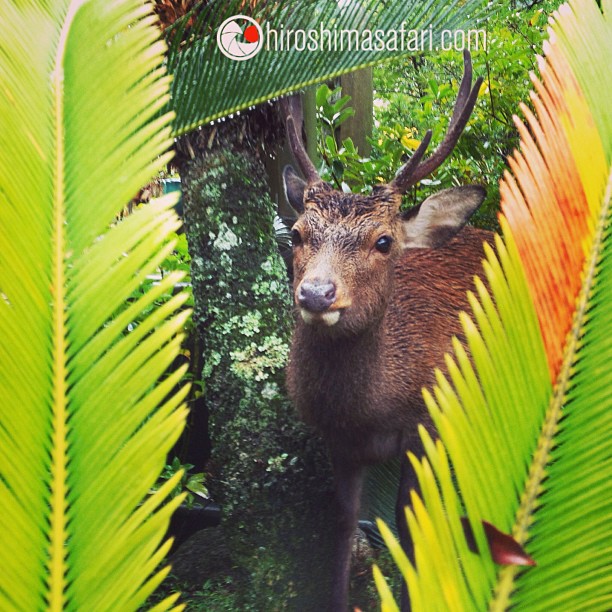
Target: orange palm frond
(553,203)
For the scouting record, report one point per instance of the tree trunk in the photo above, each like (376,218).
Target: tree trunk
(360,86)
(267,471)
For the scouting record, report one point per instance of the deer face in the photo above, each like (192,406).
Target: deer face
(345,247)
(343,254)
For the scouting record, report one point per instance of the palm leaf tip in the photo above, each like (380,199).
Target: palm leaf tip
(96,416)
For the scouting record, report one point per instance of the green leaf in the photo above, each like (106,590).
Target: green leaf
(86,417)
(198,66)
(340,103)
(330,143)
(195,484)
(322,95)
(340,117)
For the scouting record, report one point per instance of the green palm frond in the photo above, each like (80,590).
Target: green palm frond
(198,66)
(524,417)
(84,423)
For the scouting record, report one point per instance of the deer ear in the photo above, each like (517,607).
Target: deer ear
(294,189)
(436,220)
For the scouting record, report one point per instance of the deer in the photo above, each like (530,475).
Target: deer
(377,295)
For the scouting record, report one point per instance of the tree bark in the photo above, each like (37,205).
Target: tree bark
(267,471)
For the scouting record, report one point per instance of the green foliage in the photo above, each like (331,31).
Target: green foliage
(220,595)
(199,68)
(263,587)
(343,166)
(333,113)
(189,486)
(243,312)
(176,262)
(84,424)
(179,259)
(413,95)
(421,94)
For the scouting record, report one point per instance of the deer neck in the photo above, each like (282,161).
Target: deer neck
(338,376)
(361,347)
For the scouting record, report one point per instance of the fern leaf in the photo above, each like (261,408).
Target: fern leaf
(524,420)
(84,426)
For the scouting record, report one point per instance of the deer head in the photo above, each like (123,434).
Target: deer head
(346,245)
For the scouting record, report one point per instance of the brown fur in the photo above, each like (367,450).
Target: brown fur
(359,381)
(379,295)
(363,391)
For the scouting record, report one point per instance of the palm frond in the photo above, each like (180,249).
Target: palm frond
(84,424)
(524,419)
(198,66)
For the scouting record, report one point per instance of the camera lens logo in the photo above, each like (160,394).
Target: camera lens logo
(240,38)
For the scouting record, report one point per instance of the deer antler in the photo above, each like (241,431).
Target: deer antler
(415,169)
(292,110)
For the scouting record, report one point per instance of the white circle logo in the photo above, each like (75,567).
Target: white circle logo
(240,38)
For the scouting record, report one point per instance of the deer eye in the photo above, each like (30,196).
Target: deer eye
(296,237)
(383,244)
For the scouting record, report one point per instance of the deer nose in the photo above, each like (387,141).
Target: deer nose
(316,296)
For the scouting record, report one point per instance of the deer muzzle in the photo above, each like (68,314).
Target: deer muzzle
(316,296)
(318,302)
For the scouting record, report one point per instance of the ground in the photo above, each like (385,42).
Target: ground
(210,578)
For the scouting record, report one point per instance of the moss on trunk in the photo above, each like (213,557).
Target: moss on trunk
(267,471)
